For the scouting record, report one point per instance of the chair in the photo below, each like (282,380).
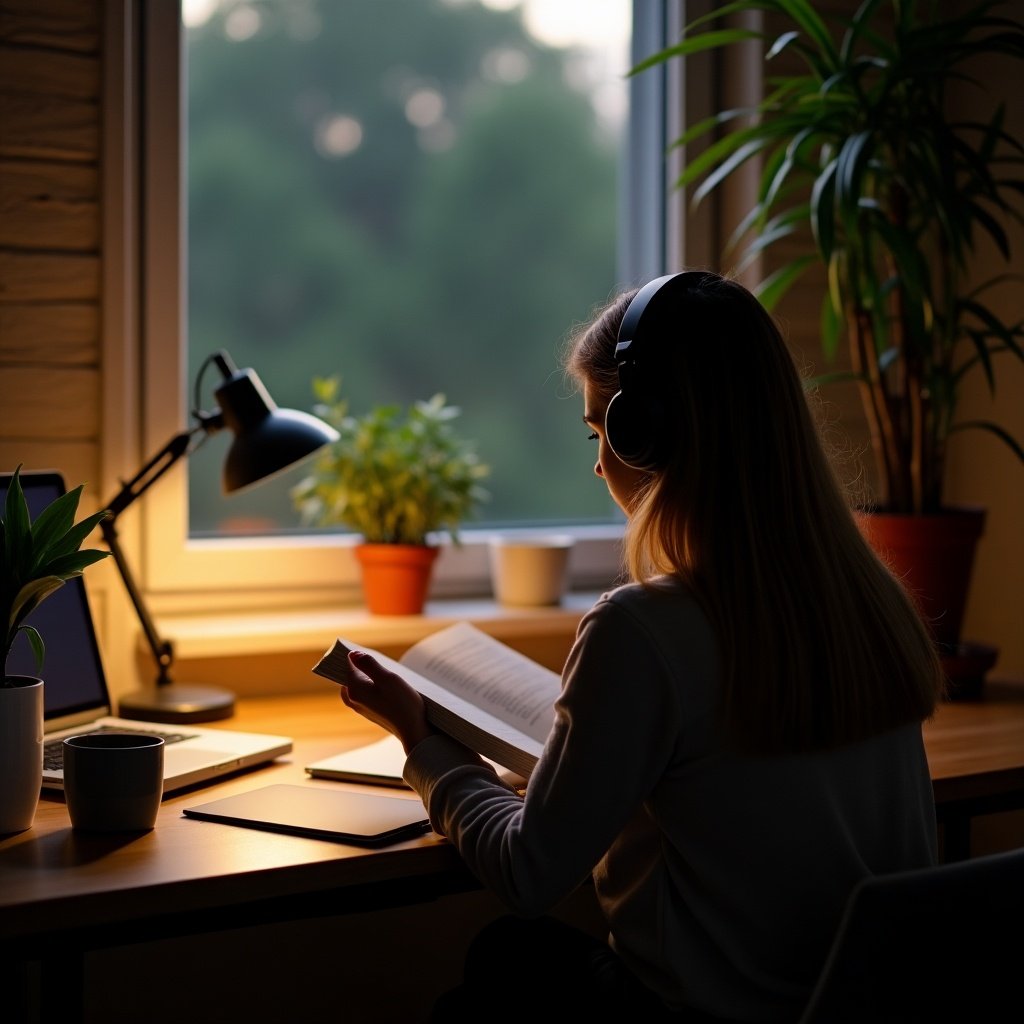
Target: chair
(938,944)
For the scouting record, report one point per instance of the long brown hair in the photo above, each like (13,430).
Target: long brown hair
(819,644)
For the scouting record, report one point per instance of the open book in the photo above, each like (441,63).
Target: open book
(480,691)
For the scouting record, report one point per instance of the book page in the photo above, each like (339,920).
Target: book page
(486,695)
(490,675)
(493,737)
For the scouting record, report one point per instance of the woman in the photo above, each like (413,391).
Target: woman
(738,737)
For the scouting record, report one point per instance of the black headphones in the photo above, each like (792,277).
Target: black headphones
(635,423)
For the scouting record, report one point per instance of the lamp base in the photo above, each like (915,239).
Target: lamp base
(178,703)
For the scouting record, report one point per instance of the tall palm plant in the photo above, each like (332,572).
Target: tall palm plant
(860,146)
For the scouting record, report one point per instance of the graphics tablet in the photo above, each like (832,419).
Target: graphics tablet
(314,812)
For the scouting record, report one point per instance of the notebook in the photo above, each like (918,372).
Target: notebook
(380,763)
(75,691)
(338,815)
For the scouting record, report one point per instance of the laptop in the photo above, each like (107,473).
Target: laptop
(75,691)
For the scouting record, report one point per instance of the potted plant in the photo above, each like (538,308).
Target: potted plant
(396,478)
(36,558)
(860,154)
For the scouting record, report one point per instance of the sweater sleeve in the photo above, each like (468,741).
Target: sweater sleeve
(615,725)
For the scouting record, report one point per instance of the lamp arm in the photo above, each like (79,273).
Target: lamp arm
(179,445)
(163,650)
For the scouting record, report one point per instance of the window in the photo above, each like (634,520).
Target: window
(415,211)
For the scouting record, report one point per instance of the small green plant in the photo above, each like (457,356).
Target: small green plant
(394,477)
(38,557)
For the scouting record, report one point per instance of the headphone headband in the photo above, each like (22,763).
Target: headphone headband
(649,306)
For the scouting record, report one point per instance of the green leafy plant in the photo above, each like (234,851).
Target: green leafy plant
(859,145)
(38,557)
(394,477)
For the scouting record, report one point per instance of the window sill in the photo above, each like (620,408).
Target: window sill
(265,654)
(227,636)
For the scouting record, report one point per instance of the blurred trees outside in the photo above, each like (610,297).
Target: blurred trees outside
(409,194)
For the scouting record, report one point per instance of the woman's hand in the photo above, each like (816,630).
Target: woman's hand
(386,699)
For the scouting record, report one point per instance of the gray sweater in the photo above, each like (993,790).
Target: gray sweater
(722,877)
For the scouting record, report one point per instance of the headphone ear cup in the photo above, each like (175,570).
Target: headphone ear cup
(635,431)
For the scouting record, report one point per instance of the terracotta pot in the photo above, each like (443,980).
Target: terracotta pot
(934,556)
(396,577)
(21,752)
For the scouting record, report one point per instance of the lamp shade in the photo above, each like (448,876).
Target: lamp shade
(266,439)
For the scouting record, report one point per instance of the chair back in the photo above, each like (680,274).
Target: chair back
(938,944)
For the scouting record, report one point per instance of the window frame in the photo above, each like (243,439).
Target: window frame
(180,572)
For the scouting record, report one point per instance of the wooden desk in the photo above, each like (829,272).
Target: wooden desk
(62,893)
(55,880)
(976,758)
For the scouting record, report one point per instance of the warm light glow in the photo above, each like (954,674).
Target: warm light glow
(595,24)
(195,12)
(242,22)
(424,107)
(598,29)
(338,135)
(590,23)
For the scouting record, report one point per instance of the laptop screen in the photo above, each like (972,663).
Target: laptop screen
(72,671)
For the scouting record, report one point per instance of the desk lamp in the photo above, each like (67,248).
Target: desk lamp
(267,439)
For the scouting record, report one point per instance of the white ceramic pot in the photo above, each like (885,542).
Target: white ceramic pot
(21,752)
(530,571)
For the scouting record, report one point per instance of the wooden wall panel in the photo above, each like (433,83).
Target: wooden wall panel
(51,332)
(50,238)
(44,276)
(33,277)
(48,127)
(77,460)
(54,24)
(43,404)
(51,206)
(29,71)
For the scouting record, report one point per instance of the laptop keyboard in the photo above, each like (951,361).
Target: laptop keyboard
(53,750)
